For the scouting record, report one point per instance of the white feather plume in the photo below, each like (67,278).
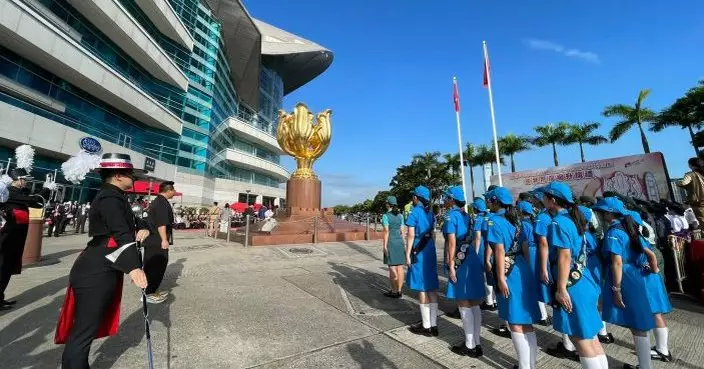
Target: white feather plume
(25,157)
(76,168)
(5,182)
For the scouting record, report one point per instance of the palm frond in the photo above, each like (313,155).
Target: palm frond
(642,95)
(619,110)
(620,129)
(596,140)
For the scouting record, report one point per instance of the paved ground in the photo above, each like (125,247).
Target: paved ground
(295,306)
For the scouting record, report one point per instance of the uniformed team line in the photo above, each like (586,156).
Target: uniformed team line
(592,264)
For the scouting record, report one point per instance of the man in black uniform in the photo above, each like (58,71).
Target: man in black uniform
(92,306)
(14,234)
(156,246)
(81,217)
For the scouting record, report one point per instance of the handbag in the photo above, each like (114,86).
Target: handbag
(576,272)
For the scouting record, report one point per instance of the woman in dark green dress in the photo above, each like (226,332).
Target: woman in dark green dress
(394,246)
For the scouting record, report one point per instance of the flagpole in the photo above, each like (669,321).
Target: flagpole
(459,139)
(491,108)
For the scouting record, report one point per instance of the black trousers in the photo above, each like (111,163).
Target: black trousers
(5,276)
(55,226)
(91,303)
(81,224)
(155,261)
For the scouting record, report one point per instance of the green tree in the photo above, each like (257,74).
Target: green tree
(378,205)
(512,144)
(630,116)
(487,155)
(584,134)
(341,209)
(687,112)
(425,169)
(552,135)
(452,161)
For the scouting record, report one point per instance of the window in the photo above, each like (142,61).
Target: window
(124,140)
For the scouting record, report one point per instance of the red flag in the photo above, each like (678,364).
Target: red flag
(456,95)
(486,73)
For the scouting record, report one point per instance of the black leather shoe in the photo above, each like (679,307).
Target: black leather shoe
(607,338)
(657,355)
(454,314)
(560,351)
(7,303)
(502,331)
(393,295)
(434,331)
(629,366)
(462,350)
(546,322)
(485,306)
(419,330)
(5,307)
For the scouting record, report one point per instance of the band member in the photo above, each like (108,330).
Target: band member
(160,219)
(516,285)
(576,294)
(91,308)
(81,217)
(624,292)
(14,234)
(464,272)
(421,258)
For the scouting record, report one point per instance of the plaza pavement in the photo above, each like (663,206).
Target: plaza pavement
(294,306)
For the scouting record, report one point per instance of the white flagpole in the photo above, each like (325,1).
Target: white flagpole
(491,108)
(459,144)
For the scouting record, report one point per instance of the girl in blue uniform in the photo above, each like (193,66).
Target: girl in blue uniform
(540,230)
(594,265)
(478,234)
(421,259)
(464,272)
(657,294)
(515,282)
(624,293)
(394,246)
(529,225)
(576,294)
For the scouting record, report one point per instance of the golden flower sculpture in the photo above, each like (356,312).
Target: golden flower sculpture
(304,139)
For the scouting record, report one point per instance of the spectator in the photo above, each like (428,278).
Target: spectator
(693,183)
(213,218)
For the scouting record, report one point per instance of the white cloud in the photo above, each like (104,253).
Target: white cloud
(587,56)
(346,189)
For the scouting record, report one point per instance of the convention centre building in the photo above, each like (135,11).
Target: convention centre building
(189,88)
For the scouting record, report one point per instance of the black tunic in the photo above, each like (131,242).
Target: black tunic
(14,234)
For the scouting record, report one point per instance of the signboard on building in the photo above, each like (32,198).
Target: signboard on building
(639,176)
(90,145)
(149,164)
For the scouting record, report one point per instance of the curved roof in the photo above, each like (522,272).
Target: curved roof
(296,59)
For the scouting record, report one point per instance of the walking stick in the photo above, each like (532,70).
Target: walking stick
(145,311)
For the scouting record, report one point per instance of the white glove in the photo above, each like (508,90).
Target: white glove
(51,185)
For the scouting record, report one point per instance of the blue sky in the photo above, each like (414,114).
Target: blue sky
(390,85)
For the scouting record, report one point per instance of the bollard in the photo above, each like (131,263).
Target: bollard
(366,232)
(246,232)
(315,229)
(229,224)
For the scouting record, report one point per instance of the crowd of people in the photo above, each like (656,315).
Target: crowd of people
(594,261)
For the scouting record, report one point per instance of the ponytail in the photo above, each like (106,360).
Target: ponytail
(631,228)
(574,212)
(513,215)
(395,210)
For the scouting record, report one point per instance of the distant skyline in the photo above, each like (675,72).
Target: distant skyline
(390,85)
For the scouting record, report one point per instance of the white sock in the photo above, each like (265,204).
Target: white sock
(533,344)
(520,342)
(567,343)
(477,314)
(490,298)
(468,324)
(543,311)
(604,361)
(425,315)
(602,331)
(661,340)
(643,351)
(433,314)
(591,362)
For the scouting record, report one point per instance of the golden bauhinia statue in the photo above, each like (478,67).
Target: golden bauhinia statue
(304,139)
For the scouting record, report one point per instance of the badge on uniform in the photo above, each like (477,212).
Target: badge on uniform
(461,254)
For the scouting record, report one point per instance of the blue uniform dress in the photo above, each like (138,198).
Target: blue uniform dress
(526,235)
(521,307)
(423,275)
(584,321)
(637,314)
(657,294)
(470,284)
(593,258)
(542,222)
(482,246)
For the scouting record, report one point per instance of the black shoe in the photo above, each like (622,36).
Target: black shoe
(502,331)
(629,366)
(485,306)
(454,314)
(393,295)
(546,322)
(657,355)
(607,338)
(419,330)
(7,303)
(560,351)
(5,307)
(462,350)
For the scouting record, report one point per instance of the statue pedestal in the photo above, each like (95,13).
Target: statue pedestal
(303,193)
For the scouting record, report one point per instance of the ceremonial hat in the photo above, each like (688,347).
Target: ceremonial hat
(115,161)
(19,173)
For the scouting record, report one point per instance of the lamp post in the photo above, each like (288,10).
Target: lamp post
(247,201)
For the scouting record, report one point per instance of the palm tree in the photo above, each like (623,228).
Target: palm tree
(487,155)
(452,161)
(470,160)
(551,134)
(512,144)
(686,112)
(584,134)
(631,115)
